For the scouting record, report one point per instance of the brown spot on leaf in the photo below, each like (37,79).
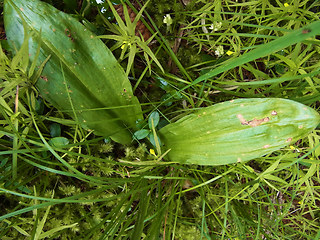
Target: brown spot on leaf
(68,33)
(257,122)
(253,123)
(306,30)
(44,78)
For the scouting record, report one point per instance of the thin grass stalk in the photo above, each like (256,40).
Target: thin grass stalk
(226,210)
(287,40)
(15,138)
(176,214)
(161,38)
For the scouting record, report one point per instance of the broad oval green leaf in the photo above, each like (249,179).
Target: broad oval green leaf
(141,134)
(152,139)
(58,142)
(82,77)
(237,130)
(155,117)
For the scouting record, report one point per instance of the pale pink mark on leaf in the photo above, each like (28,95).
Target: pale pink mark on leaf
(301,126)
(253,123)
(257,122)
(273,113)
(241,118)
(289,139)
(266,146)
(231,101)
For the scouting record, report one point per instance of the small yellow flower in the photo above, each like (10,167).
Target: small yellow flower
(229,52)
(293,148)
(286,5)
(152,152)
(124,43)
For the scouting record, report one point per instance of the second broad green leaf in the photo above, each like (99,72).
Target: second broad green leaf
(237,130)
(82,77)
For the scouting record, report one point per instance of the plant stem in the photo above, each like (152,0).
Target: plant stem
(15,138)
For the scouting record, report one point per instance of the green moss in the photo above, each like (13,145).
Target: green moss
(106,148)
(187,232)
